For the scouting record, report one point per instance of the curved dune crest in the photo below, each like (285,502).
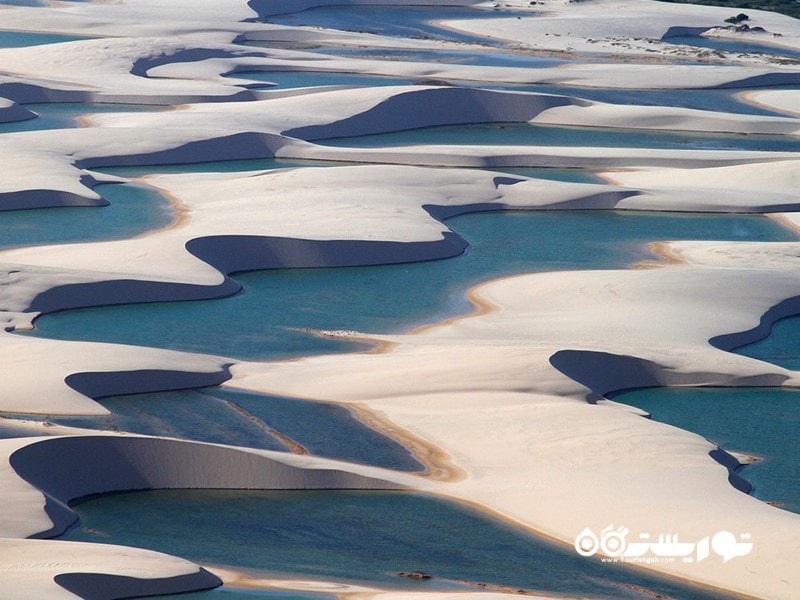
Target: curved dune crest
(10,111)
(86,465)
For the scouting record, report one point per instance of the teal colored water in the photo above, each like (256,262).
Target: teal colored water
(290,79)
(781,348)
(718,100)
(395,21)
(134,210)
(234,166)
(764,422)
(14,432)
(238,418)
(527,134)
(270,318)
(363,537)
(64,115)
(474,56)
(733,46)
(220,166)
(20,39)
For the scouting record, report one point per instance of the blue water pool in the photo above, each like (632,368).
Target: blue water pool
(395,21)
(295,79)
(482,56)
(718,100)
(15,432)
(134,210)
(221,166)
(233,166)
(239,418)
(361,537)
(270,318)
(64,115)
(527,134)
(759,421)
(734,46)
(19,39)
(782,347)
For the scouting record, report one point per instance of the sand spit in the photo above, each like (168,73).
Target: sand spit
(509,400)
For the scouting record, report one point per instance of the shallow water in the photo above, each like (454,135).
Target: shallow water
(294,79)
(474,56)
(64,115)
(734,46)
(526,134)
(267,320)
(220,166)
(395,21)
(14,432)
(759,421)
(239,418)
(134,209)
(21,39)
(364,537)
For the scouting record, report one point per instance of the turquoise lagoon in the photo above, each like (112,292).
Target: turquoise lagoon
(764,422)
(360,537)
(734,46)
(65,115)
(239,418)
(21,39)
(134,210)
(527,134)
(395,21)
(264,321)
(270,319)
(296,79)
(718,100)
(781,347)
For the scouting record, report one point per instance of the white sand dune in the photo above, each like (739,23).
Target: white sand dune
(505,405)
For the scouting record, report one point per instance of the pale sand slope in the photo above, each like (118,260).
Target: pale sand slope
(252,130)
(492,391)
(630,27)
